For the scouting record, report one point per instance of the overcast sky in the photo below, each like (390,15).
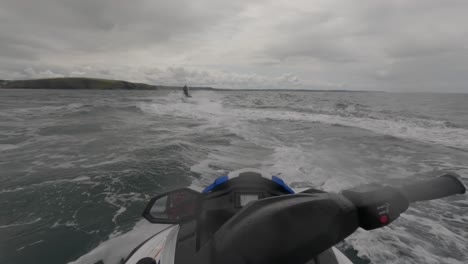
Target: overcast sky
(398,45)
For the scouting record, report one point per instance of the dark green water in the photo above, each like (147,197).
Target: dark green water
(76,167)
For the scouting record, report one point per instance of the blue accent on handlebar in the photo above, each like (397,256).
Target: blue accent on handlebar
(281,182)
(217,182)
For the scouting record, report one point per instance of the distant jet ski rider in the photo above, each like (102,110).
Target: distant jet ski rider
(185,89)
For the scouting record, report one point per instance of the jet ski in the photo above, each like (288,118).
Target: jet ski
(185,90)
(250,217)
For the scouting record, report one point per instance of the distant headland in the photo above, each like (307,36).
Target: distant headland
(74,83)
(84,84)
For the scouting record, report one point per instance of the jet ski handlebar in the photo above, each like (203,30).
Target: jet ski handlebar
(445,185)
(295,228)
(378,205)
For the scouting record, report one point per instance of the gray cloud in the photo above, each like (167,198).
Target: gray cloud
(399,45)
(107,25)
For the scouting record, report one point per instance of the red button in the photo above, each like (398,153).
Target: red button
(383,219)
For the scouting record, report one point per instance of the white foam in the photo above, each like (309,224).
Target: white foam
(4,147)
(405,128)
(46,109)
(21,224)
(80,178)
(31,244)
(209,106)
(119,212)
(398,244)
(107,162)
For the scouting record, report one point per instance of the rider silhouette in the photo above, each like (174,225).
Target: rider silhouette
(185,89)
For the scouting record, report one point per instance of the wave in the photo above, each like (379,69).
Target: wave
(71,110)
(5,147)
(427,238)
(40,110)
(21,224)
(211,107)
(100,109)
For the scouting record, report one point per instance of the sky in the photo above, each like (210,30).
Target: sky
(398,45)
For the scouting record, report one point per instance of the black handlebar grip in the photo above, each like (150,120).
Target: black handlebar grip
(445,185)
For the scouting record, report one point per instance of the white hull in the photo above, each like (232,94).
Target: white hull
(161,247)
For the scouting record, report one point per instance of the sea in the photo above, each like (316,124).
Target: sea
(78,166)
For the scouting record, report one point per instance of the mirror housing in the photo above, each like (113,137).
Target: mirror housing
(174,207)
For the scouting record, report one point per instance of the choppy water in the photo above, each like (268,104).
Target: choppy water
(76,167)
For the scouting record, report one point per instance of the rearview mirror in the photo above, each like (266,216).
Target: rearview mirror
(173,207)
